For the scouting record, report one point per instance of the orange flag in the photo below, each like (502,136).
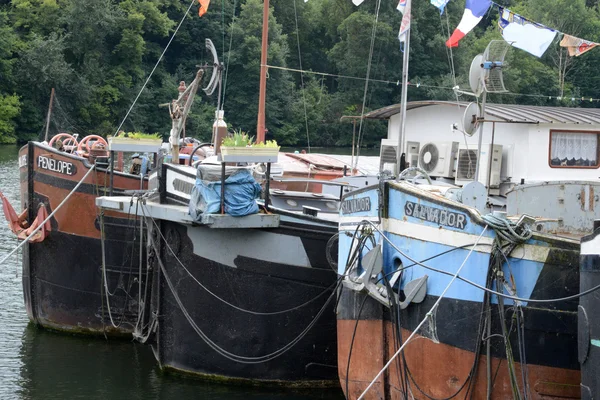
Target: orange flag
(203,7)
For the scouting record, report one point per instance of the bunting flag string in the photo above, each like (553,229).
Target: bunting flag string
(523,34)
(576,46)
(474,12)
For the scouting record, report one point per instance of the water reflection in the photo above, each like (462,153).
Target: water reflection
(55,366)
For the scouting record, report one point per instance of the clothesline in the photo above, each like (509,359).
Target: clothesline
(425,85)
(521,32)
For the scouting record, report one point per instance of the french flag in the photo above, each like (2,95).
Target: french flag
(474,12)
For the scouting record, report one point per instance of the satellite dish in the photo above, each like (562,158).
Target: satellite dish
(470,119)
(476,76)
(485,74)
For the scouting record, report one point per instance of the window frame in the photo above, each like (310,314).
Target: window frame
(597,133)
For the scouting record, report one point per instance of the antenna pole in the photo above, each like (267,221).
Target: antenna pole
(262,93)
(49,113)
(405,17)
(480,136)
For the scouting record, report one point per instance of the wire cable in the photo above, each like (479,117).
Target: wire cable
(155,66)
(506,296)
(62,203)
(427,316)
(328,289)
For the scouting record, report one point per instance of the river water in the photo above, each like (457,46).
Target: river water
(36,364)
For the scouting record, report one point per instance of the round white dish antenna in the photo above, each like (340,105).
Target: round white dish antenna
(477,75)
(470,120)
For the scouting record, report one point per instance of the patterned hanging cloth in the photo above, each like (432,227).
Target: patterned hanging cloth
(576,46)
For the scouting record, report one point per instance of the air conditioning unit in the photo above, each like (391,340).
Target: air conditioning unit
(490,167)
(387,155)
(438,158)
(412,153)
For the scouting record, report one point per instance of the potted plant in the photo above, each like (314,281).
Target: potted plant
(240,144)
(135,141)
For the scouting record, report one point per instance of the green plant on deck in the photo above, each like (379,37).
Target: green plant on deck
(267,143)
(139,135)
(238,139)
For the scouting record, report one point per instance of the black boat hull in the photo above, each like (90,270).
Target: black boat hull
(247,269)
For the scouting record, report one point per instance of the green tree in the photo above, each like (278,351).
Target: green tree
(9,109)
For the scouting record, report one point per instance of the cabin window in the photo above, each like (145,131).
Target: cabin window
(569,149)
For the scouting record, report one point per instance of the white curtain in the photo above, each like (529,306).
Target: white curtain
(577,148)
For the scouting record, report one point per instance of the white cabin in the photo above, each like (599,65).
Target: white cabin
(538,143)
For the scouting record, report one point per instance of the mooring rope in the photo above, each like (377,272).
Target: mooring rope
(28,238)
(427,317)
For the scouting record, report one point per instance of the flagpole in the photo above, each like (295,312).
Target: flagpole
(404,95)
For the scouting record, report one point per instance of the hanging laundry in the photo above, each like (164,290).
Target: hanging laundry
(576,46)
(404,7)
(474,12)
(441,4)
(526,35)
(203,7)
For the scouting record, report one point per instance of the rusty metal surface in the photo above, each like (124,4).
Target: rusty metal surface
(319,160)
(509,113)
(569,206)
(438,369)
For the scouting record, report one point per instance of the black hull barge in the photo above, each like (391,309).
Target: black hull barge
(248,300)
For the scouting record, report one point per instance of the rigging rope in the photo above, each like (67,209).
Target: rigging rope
(229,52)
(155,66)
(231,356)
(427,316)
(328,289)
(303,89)
(506,296)
(362,111)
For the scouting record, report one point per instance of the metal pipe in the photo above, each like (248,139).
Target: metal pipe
(268,186)
(404,97)
(480,137)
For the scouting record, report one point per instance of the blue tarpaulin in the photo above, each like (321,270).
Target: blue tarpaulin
(241,190)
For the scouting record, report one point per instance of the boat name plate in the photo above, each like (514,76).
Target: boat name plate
(60,166)
(435,215)
(356,205)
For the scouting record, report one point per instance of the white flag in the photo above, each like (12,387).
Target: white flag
(404,8)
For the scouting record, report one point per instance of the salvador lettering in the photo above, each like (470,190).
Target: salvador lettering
(356,205)
(436,215)
(60,166)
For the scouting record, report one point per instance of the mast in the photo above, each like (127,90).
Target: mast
(406,20)
(48,115)
(262,93)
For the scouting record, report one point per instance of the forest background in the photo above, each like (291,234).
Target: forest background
(98,53)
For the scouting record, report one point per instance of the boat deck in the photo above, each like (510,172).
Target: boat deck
(180,214)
